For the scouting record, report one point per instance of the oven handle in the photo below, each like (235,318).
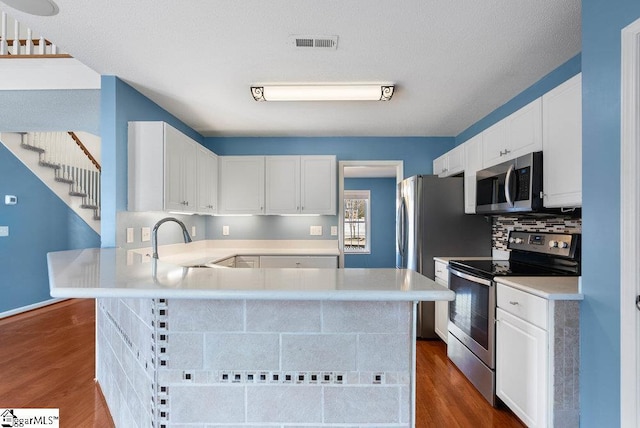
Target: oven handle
(471,278)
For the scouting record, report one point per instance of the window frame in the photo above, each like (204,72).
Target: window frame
(358,195)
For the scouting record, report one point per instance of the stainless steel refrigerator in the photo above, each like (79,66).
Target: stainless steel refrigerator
(431,223)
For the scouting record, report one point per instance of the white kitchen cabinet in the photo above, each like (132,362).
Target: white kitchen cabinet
(247,262)
(516,135)
(472,163)
(161,168)
(442,307)
(282,181)
(298,262)
(450,163)
(241,185)
(562,144)
(318,193)
(206,181)
(537,357)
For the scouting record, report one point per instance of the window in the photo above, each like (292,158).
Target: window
(357,230)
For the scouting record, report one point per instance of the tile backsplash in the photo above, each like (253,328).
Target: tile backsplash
(503,224)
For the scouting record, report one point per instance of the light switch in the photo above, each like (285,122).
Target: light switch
(193,231)
(146,234)
(225,230)
(4,230)
(129,235)
(315,230)
(334,230)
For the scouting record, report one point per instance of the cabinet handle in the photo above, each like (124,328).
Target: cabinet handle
(511,302)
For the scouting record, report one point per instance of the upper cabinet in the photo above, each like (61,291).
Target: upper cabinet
(472,163)
(518,134)
(562,145)
(300,185)
(162,168)
(241,185)
(450,163)
(318,185)
(207,179)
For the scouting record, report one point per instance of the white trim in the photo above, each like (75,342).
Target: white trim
(28,308)
(398,164)
(630,227)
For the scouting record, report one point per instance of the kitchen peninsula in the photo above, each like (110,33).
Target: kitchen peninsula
(179,345)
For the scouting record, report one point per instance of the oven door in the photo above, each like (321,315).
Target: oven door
(472,314)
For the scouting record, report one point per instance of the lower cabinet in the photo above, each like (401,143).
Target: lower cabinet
(247,261)
(442,308)
(298,262)
(537,358)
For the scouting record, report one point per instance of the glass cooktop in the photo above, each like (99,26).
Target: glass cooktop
(491,268)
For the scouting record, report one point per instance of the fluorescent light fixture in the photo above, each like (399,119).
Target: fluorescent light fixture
(377,92)
(34,7)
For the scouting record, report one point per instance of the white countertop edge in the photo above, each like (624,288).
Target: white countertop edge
(349,295)
(546,293)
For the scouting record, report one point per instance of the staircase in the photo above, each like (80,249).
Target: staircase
(65,165)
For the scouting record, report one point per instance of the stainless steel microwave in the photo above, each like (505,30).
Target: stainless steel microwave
(512,186)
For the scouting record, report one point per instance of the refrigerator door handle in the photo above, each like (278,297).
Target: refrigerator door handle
(401,228)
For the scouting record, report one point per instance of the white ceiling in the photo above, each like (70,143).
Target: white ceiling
(453,61)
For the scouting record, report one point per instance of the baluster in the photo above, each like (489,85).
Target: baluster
(4,47)
(42,46)
(16,37)
(28,46)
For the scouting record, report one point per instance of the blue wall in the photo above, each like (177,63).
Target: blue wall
(383,223)
(38,224)
(120,103)
(416,152)
(548,82)
(602,22)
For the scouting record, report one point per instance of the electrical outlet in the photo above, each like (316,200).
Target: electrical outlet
(315,230)
(129,235)
(334,230)
(193,231)
(146,234)
(4,230)
(225,230)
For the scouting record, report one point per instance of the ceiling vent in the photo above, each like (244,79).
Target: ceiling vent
(316,42)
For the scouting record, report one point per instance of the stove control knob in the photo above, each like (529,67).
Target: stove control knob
(512,240)
(553,244)
(518,240)
(562,244)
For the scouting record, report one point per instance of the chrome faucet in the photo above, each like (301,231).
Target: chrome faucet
(154,234)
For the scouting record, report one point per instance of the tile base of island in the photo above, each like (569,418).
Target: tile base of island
(169,362)
(181,347)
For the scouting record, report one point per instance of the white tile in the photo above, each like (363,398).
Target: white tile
(240,351)
(366,317)
(185,351)
(201,404)
(361,404)
(206,315)
(283,316)
(284,404)
(384,352)
(318,352)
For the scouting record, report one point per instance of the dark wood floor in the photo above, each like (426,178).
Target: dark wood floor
(47,360)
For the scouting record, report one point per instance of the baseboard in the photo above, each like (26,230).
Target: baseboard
(29,308)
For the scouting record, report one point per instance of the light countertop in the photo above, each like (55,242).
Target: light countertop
(548,287)
(119,273)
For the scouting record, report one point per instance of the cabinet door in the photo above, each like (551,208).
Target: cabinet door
(207,181)
(180,170)
(442,314)
(524,130)
(494,143)
(440,166)
(455,161)
(318,185)
(562,145)
(247,262)
(282,184)
(472,163)
(522,368)
(241,185)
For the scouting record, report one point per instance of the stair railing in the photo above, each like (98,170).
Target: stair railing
(24,44)
(72,162)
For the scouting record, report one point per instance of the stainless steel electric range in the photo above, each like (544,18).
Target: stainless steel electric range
(471,344)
